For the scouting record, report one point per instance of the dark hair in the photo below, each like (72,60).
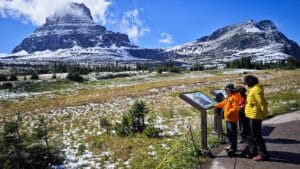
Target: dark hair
(242,90)
(251,80)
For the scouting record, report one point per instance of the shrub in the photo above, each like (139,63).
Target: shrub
(75,77)
(124,129)
(104,123)
(97,143)
(7,86)
(13,77)
(34,76)
(54,76)
(152,132)
(3,78)
(19,149)
(82,148)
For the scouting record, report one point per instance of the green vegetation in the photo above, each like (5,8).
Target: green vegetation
(102,119)
(134,122)
(20,149)
(75,76)
(245,62)
(283,102)
(3,78)
(34,76)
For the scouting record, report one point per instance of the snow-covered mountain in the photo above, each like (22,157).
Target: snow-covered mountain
(71,35)
(259,40)
(71,26)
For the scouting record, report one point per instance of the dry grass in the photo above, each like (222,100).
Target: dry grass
(75,115)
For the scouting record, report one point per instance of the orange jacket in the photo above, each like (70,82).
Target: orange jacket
(231,107)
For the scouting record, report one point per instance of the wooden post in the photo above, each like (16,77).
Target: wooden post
(204,130)
(218,122)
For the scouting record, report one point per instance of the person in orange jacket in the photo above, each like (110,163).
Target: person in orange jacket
(230,106)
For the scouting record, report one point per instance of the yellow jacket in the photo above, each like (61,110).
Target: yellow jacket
(256,106)
(231,107)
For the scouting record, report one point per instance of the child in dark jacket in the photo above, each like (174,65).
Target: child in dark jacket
(244,126)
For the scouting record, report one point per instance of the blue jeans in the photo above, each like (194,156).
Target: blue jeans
(232,134)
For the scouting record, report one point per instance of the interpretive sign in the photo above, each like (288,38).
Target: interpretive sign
(202,103)
(198,100)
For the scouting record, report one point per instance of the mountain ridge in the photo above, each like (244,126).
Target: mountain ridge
(73,26)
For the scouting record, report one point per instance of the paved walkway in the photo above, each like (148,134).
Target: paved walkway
(282,137)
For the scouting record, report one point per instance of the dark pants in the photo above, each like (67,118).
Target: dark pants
(232,134)
(244,125)
(257,143)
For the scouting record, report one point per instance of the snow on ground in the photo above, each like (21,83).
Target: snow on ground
(76,53)
(80,122)
(238,71)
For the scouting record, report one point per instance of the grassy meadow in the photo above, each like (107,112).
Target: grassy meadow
(73,110)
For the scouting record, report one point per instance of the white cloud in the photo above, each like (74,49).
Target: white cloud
(166,38)
(3,55)
(36,11)
(132,25)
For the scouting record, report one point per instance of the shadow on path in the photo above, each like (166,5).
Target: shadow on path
(284,157)
(281,141)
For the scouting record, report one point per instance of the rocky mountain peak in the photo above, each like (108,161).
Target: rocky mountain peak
(266,25)
(68,27)
(259,40)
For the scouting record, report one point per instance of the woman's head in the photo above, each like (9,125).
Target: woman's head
(250,80)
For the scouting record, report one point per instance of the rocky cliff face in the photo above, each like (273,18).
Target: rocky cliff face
(259,40)
(68,27)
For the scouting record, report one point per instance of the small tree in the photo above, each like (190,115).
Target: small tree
(75,77)
(27,150)
(34,76)
(124,129)
(137,114)
(104,123)
(3,78)
(54,76)
(13,77)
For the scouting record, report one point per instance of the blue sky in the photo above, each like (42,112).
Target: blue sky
(154,23)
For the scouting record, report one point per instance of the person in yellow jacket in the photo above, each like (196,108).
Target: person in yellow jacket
(230,106)
(256,110)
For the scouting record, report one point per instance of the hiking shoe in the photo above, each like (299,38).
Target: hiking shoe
(231,153)
(227,148)
(244,140)
(258,158)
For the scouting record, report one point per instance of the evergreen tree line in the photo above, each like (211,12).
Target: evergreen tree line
(168,67)
(66,68)
(13,77)
(246,62)
(26,150)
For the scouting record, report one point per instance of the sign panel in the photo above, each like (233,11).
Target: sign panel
(198,99)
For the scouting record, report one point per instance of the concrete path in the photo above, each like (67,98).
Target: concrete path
(282,137)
